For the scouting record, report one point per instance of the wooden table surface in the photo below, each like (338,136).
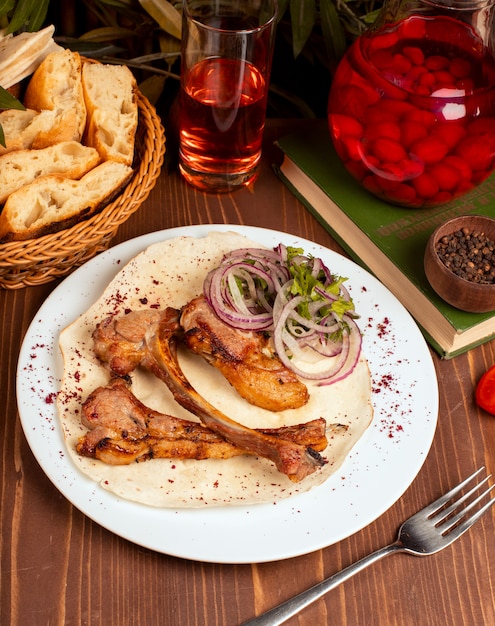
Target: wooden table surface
(58,567)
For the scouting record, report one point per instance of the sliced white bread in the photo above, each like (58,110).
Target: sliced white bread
(52,202)
(56,85)
(112,110)
(19,168)
(26,129)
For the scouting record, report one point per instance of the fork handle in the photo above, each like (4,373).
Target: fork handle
(279,614)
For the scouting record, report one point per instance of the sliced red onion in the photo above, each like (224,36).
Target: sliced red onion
(239,298)
(355,342)
(225,307)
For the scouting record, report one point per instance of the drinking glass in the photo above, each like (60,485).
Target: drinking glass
(227,48)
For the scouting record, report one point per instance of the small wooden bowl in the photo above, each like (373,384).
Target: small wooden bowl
(459,292)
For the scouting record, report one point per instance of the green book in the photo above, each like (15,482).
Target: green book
(388,240)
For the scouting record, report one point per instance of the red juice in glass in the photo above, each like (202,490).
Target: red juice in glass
(227,48)
(222,117)
(412,111)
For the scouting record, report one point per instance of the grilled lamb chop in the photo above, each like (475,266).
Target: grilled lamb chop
(123,430)
(149,339)
(244,358)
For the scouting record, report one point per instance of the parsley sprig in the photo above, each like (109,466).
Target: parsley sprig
(309,280)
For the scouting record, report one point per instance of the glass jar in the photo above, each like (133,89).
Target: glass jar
(412,104)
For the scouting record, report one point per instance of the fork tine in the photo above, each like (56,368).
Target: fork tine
(457,531)
(436,505)
(446,512)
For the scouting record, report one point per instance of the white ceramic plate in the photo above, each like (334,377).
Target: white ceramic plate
(377,472)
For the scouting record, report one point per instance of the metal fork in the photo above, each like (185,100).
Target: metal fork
(428,531)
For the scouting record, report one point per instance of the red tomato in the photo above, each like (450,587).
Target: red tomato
(485,391)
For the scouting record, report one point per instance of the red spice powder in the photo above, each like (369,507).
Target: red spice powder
(383,328)
(51,397)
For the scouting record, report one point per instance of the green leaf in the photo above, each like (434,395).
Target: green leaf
(92,49)
(38,15)
(118,4)
(107,33)
(152,87)
(6,6)
(293,252)
(305,283)
(168,45)
(8,101)
(165,15)
(370,17)
(22,12)
(333,31)
(303,17)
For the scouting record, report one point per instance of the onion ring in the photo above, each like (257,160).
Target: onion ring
(296,299)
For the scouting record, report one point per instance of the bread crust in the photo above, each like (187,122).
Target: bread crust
(22,129)
(51,203)
(112,110)
(56,86)
(21,167)
(54,143)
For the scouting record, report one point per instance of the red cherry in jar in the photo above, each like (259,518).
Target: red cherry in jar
(411,111)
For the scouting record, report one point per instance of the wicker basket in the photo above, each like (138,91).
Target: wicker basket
(37,261)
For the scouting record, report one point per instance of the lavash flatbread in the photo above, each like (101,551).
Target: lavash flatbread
(171,273)
(20,55)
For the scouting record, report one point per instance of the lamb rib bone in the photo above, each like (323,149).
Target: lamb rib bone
(149,339)
(123,430)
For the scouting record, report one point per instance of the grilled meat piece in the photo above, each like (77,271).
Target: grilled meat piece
(245,359)
(119,343)
(123,430)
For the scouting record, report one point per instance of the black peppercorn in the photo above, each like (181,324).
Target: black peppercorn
(468,254)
